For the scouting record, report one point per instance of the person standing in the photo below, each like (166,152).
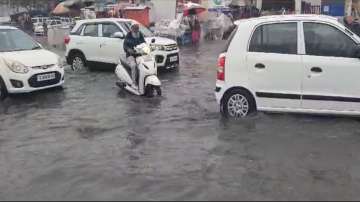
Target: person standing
(351,24)
(45,28)
(195,29)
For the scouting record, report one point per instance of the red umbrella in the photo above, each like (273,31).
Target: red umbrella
(193,9)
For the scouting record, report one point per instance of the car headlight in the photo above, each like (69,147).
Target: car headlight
(158,47)
(60,63)
(16,67)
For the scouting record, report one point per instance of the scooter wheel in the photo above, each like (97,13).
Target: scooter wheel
(149,91)
(158,91)
(120,85)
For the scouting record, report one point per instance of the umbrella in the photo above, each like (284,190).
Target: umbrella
(61,9)
(193,9)
(71,3)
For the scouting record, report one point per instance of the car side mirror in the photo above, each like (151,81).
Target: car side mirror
(118,35)
(153,40)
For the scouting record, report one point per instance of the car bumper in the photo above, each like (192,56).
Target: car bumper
(163,59)
(30,83)
(219,91)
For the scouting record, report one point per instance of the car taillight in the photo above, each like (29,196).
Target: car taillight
(221,67)
(67,40)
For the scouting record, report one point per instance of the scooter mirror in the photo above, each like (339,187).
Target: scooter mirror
(153,40)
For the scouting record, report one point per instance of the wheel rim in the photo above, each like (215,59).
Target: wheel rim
(238,106)
(78,64)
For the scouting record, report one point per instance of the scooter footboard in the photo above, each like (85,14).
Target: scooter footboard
(123,74)
(152,80)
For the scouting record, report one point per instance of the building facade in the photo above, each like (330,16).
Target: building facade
(331,7)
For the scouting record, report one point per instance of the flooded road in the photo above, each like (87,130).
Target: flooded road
(91,141)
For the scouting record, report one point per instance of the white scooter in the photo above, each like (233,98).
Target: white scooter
(147,81)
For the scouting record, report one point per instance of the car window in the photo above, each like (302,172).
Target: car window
(326,40)
(271,38)
(77,31)
(125,26)
(109,29)
(91,30)
(231,37)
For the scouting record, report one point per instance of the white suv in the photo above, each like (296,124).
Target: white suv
(295,63)
(24,65)
(101,41)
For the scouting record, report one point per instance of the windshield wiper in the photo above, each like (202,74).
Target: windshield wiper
(36,48)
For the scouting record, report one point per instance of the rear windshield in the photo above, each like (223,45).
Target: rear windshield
(231,37)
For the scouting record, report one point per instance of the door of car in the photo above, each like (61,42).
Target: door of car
(111,49)
(89,42)
(275,66)
(332,68)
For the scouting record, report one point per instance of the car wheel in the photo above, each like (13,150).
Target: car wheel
(238,103)
(78,62)
(3,90)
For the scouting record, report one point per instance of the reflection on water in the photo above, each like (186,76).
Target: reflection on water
(92,141)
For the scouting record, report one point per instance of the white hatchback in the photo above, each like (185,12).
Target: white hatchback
(24,65)
(294,63)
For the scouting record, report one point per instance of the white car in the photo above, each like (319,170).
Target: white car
(24,65)
(39,20)
(39,28)
(101,41)
(295,63)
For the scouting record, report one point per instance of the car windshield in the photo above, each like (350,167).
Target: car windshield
(144,30)
(16,40)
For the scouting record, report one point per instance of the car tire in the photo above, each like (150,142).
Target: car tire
(78,62)
(237,104)
(3,90)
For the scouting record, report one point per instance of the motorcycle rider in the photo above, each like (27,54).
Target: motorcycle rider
(133,39)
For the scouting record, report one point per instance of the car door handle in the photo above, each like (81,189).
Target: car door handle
(102,44)
(316,70)
(260,66)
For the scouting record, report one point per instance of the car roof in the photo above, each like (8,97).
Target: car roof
(7,27)
(104,20)
(302,17)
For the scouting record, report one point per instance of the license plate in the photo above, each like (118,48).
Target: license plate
(46,77)
(173,58)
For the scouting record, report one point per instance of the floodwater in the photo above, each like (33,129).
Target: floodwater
(92,141)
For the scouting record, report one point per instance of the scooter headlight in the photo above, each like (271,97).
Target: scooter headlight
(16,66)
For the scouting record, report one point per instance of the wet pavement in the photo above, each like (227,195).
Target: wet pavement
(92,141)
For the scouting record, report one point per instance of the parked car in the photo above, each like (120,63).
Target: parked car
(66,22)
(97,40)
(24,65)
(295,63)
(39,29)
(39,20)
